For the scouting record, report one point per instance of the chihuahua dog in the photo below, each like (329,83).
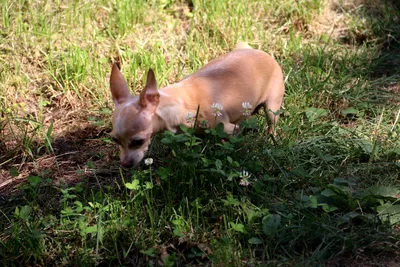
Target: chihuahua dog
(226,90)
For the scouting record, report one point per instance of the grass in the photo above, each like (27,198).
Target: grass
(324,191)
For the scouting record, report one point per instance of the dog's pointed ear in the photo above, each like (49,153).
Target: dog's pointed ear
(150,97)
(118,86)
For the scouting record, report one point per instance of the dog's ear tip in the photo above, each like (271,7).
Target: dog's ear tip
(151,75)
(117,64)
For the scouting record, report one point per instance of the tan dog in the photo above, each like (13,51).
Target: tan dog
(227,89)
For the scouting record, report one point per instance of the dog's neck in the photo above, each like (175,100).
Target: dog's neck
(170,113)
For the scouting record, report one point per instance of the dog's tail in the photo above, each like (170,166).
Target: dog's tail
(242,45)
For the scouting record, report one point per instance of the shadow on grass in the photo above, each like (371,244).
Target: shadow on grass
(365,70)
(384,17)
(79,154)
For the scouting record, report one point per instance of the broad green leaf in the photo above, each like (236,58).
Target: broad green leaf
(90,229)
(251,123)
(324,156)
(148,185)
(91,165)
(230,200)
(366,145)
(14,172)
(178,232)
(327,208)
(105,111)
(389,212)
(349,111)
(148,252)
(192,143)
(396,150)
(180,221)
(218,164)
(79,187)
(79,206)
(254,214)
(313,114)
(44,103)
(237,227)
(91,118)
(340,190)
(99,123)
(134,185)
(34,180)
(95,205)
(166,141)
(342,182)
(67,211)
(255,241)
(196,203)
(314,201)
(271,224)
(384,191)
(232,175)
(328,193)
(170,260)
(220,127)
(25,212)
(16,212)
(36,233)
(183,128)
(163,173)
(81,225)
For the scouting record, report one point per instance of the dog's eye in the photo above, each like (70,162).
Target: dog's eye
(136,142)
(115,140)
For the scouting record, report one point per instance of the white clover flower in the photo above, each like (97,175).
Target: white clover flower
(244,174)
(246,105)
(217,107)
(247,108)
(204,124)
(190,118)
(244,182)
(148,161)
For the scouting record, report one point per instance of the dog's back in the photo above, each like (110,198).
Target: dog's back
(242,45)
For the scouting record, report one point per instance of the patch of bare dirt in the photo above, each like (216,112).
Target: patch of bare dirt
(336,23)
(362,260)
(76,155)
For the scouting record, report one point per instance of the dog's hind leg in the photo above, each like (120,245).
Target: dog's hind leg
(272,105)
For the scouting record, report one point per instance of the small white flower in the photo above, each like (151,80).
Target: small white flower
(247,108)
(148,161)
(190,118)
(246,105)
(244,174)
(217,107)
(204,124)
(244,182)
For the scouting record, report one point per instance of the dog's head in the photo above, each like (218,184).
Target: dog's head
(132,117)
